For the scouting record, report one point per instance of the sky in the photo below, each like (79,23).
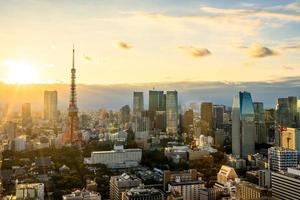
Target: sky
(143,41)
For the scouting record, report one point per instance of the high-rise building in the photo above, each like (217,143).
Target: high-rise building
(142,122)
(172,112)
(280,158)
(50,106)
(243,127)
(270,124)
(286,185)
(290,138)
(157,101)
(259,120)
(160,121)
(119,184)
(10,128)
(125,114)
(293,117)
(72,133)
(286,112)
(141,193)
(207,118)
(138,102)
(187,120)
(218,113)
(26,115)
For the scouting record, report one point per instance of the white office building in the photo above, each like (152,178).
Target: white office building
(280,158)
(117,158)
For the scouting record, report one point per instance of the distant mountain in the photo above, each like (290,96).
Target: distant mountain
(115,96)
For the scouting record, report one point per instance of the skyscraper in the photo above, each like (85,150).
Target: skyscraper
(286,112)
(243,128)
(72,134)
(207,118)
(26,115)
(187,120)
(218,112)
(50,105)
(125,114)
(156,101)
(172,111)
(259,120)
(138,102)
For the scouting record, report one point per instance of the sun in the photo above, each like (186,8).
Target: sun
(20,72)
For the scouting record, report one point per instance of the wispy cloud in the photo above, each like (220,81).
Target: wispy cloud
(267,13)
(195,52)
(288,67)
(124,45)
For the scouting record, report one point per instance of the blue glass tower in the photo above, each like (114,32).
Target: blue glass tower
(243,127)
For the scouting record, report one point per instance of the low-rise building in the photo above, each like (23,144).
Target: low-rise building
(31,191)
(117,158)
(249,191)
(82,195)
(119,184)
(226,174)
(186,184)
(141,193)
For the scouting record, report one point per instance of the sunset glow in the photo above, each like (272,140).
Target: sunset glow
(20,72)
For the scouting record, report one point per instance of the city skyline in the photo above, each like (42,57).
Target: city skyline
(149,100)
(259,41)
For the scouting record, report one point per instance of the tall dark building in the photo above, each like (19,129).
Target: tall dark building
(206,118)
(270,124)
(26,115)
(187,120)
(286,112)
(259,120)
(50,106)
(138,102)
(72,134)
(218,113)
(125,114)
(157,101)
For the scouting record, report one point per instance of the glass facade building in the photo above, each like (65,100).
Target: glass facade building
(243,127)
(172,112)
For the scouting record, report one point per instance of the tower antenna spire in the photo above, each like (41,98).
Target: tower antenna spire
(72,133)
(73,60)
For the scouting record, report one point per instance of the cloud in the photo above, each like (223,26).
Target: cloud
(88,58)
(124,45)
(259,51)
(195,52)
(287,67)
(267,13)
(291,46)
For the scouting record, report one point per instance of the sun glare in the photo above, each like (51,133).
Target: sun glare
(20,72)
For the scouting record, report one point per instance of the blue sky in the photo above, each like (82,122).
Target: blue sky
(138,41)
